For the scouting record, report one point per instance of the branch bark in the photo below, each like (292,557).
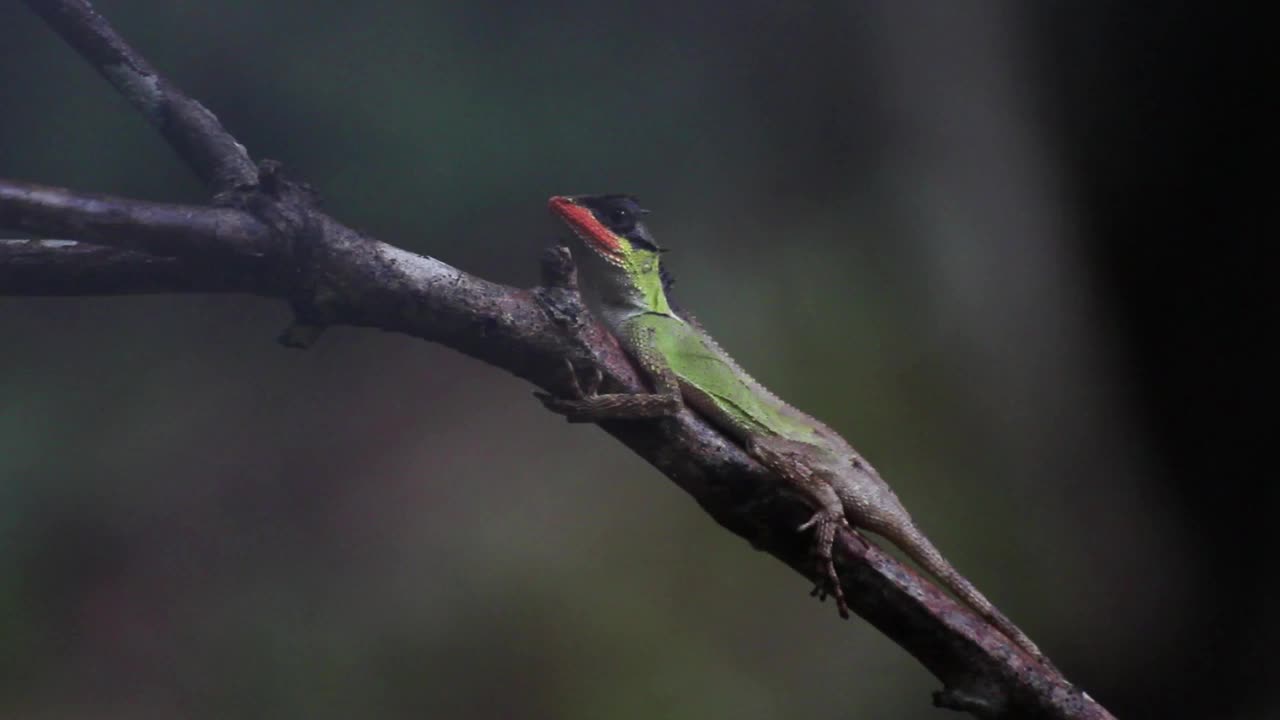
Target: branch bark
(51,267)
(271,234)
(167,230)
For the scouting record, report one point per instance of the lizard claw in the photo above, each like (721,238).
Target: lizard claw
(572,407)
(595,380)
(573,380)
(825,532)
(554,403)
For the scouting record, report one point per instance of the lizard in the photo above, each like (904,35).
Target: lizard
(626,286)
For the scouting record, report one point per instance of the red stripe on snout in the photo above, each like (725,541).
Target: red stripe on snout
(581,219)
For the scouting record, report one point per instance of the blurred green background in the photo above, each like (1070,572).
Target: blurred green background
(876,207)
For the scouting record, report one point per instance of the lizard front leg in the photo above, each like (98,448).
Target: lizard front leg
(588,406)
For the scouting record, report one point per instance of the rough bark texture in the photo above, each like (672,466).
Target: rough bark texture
(53,267)
(191,231)
(268,237)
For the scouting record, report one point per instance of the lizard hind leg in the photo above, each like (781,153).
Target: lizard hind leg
(824,524)
(786,457)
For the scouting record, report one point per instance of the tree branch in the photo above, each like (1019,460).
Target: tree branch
(333,274)
(336,275)
(162,229)
(50,267)
(193,131)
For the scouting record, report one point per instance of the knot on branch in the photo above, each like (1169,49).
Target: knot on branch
(291,211)
(558,270)
(558,296)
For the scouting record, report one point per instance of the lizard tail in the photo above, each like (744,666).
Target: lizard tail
(917,546)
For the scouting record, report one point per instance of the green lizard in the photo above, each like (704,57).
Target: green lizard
(626,286)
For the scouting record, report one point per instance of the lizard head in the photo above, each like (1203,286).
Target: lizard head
(623,262)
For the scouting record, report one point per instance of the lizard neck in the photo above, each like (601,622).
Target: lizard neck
(642,290)
(619,291)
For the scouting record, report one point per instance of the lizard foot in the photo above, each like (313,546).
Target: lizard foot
(824,525)
(575,407)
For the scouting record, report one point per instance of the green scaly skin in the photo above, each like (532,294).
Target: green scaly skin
(621,272)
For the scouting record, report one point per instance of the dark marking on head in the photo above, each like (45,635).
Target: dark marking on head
(621,214)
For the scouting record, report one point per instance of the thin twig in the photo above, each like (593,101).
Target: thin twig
(193,131)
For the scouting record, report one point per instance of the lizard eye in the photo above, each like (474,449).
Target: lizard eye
(621,220)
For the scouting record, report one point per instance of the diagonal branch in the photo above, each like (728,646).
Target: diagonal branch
(339,276)
(272,230)
(193,131)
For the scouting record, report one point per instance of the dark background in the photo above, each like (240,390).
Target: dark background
(1009,249)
